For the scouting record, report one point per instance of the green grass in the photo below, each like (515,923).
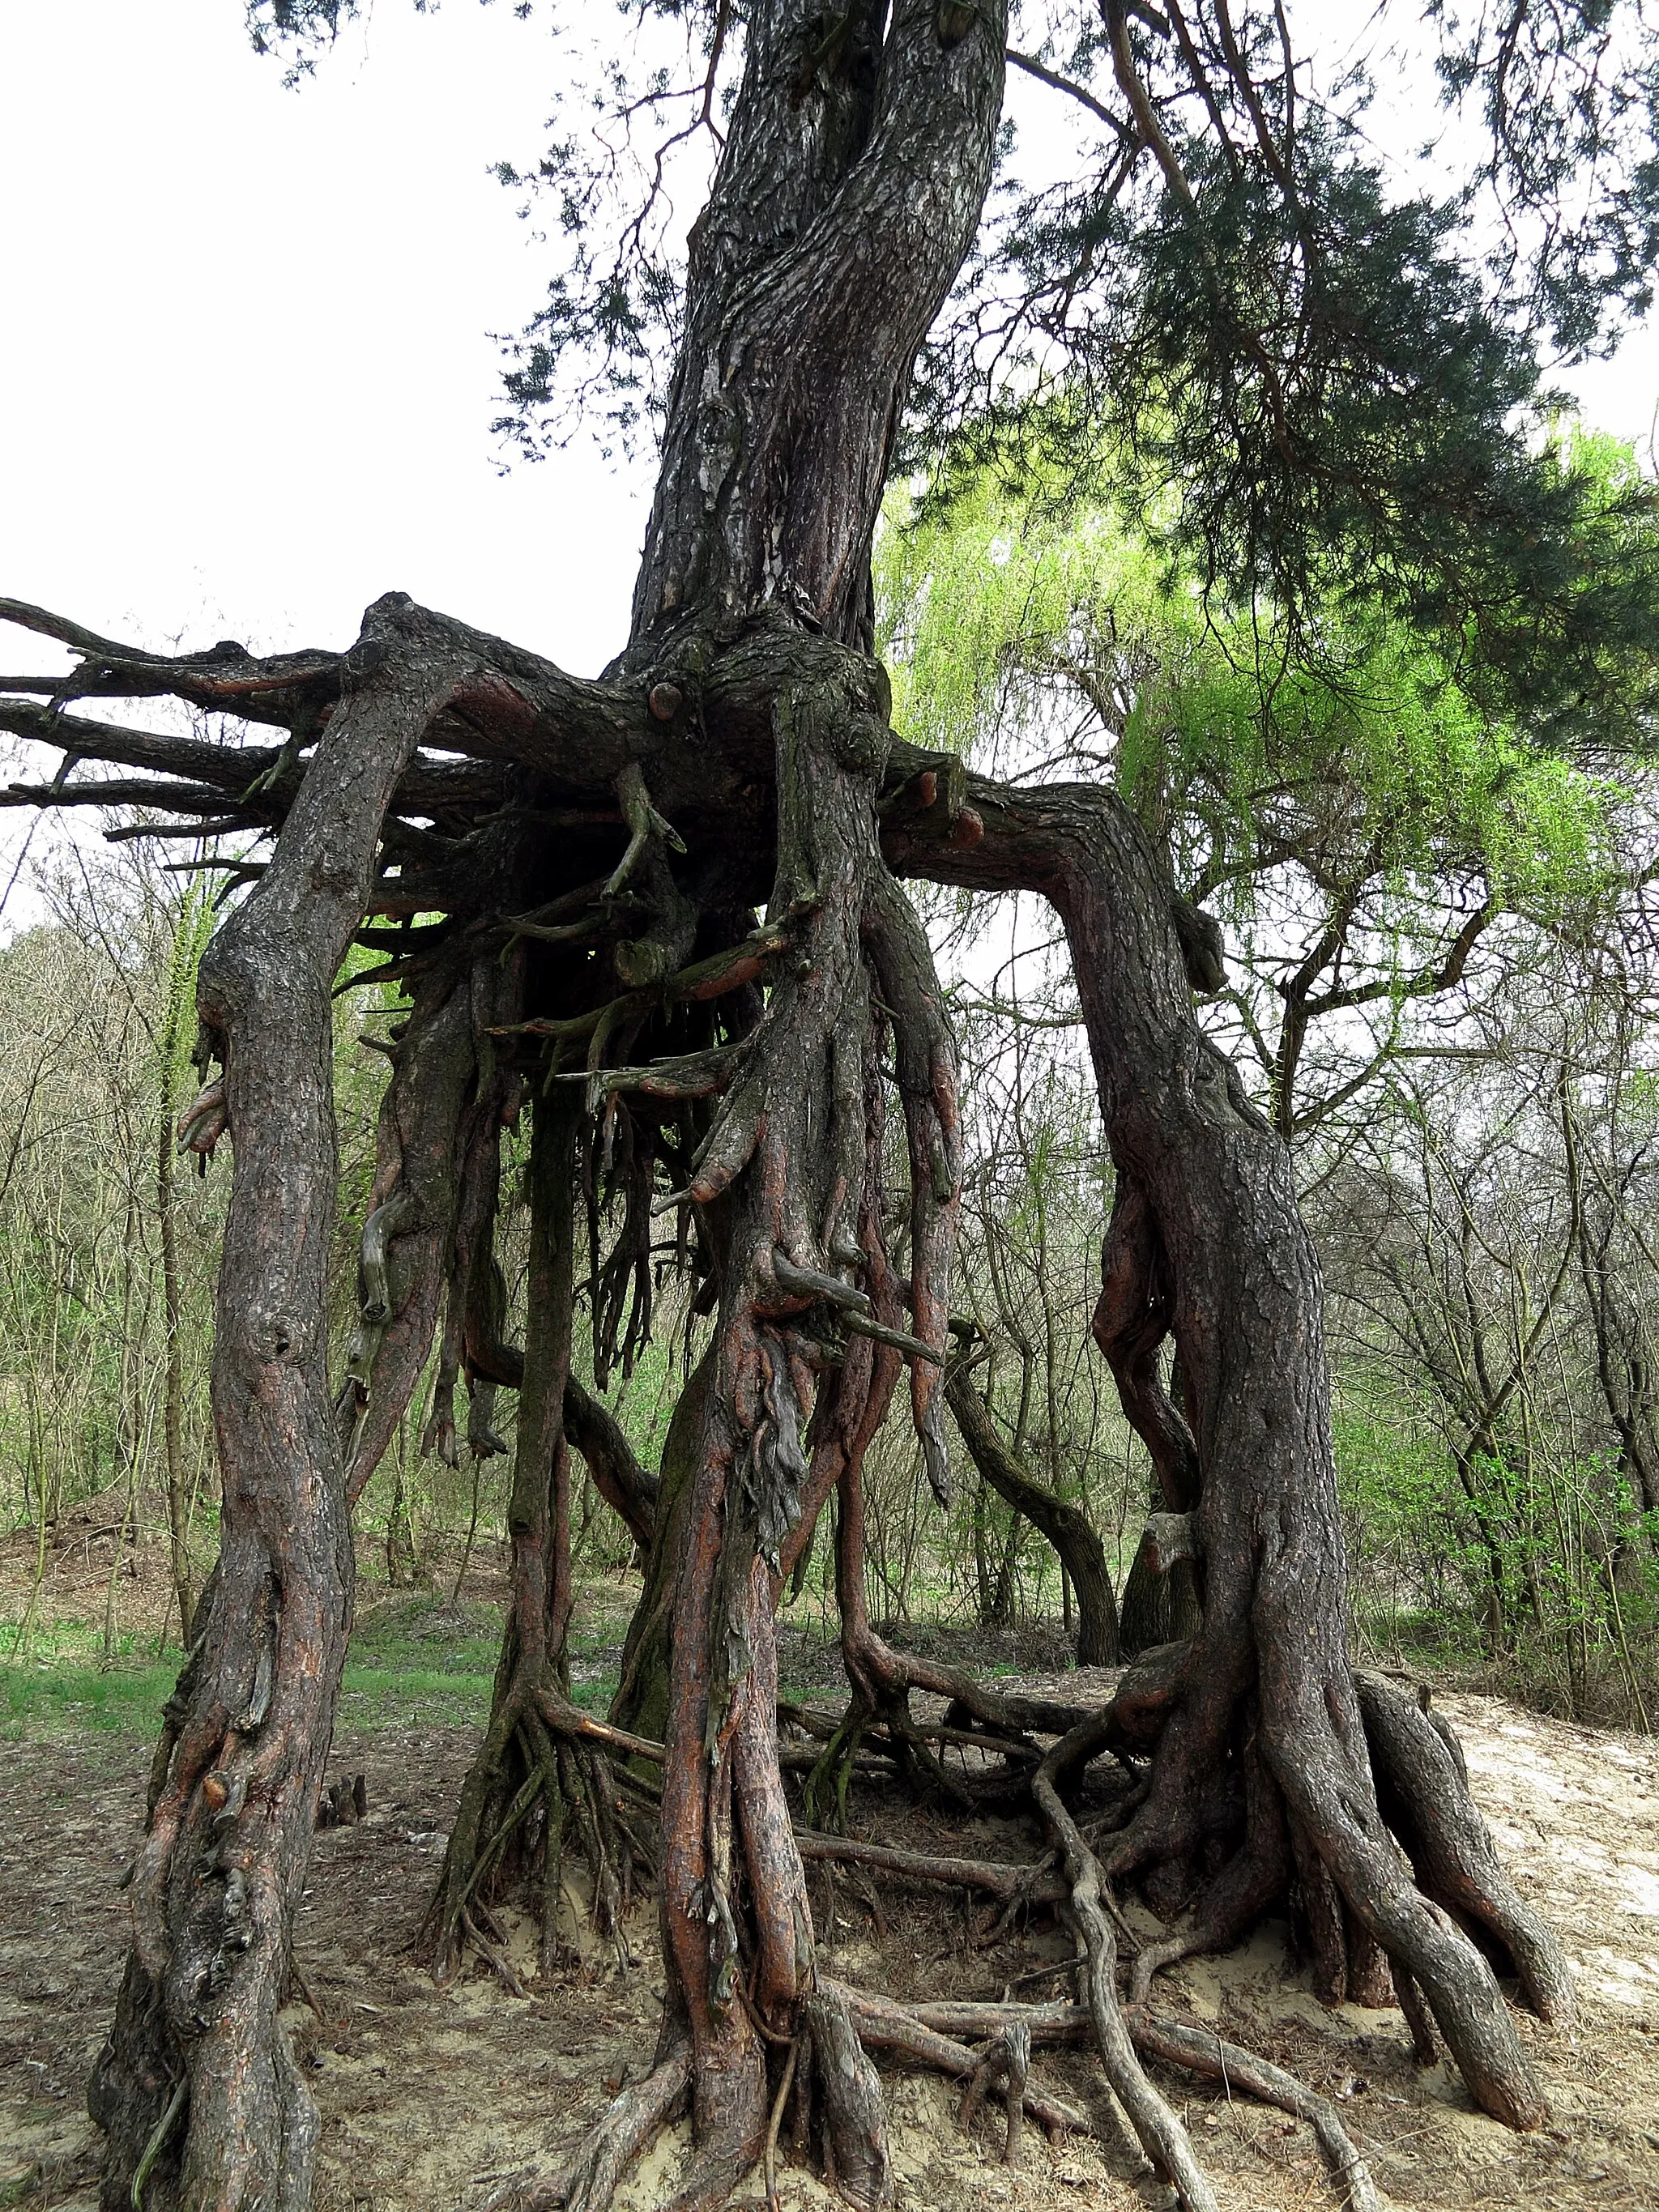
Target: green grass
(60,1696)
(415,1661)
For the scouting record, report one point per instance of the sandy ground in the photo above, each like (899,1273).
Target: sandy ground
(431,2098)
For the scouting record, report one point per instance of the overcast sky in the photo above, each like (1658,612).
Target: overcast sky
(247,380)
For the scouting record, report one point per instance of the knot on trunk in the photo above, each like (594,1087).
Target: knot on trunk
(1169,1538)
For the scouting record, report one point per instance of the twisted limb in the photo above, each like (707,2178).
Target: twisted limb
(1264,1758)
(196,2088)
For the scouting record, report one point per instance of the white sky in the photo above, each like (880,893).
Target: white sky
(246,381)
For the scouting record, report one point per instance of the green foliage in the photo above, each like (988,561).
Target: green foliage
(1271,347)
(1009,614)
(417,1660)
(1240,324)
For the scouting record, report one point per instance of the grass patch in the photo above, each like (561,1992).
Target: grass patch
(42,1697)
(416,1660)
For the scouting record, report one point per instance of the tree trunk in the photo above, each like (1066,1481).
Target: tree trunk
(186,940)
(1161,1602)
(197,2084)
(849,189)
(1067,1529)
(1206,1242)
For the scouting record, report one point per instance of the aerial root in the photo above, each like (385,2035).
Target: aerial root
(566,1779)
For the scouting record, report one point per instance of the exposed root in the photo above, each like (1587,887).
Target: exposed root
(769,2163)
(628,2125)
(1201,2053)
(854,2123)
(1160,2133)
(1197,2050)
(1016,1885)
(1007,2064)
(942,2035)
(906,2031)
(1409,1998)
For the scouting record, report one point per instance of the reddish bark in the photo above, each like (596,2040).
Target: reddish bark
(599,850)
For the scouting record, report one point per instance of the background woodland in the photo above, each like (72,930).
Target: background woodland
(1440,970)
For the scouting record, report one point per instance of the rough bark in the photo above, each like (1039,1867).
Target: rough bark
(197,2077)
(846,196)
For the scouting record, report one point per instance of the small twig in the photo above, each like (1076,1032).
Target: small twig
(779,2102)
(157,2142)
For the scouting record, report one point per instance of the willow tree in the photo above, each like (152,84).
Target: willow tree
(663,912)
(1356,821)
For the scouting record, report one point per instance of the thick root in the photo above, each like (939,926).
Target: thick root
(854,2123)
(1161,2135)
(1422,1790)
(1035,1884)
(1418,1933)
(628,2125)
(1307,1797)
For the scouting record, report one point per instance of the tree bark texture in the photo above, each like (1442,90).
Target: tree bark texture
(197,2079)
(595,853)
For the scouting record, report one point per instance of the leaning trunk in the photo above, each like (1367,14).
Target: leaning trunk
(197,2089)
(1260,1746)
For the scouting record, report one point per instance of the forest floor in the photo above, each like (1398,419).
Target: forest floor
(432,2098)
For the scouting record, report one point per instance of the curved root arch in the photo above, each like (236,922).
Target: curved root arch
(670,1038)
(1259,1748)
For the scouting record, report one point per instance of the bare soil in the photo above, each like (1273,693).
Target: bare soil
(432,2098)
